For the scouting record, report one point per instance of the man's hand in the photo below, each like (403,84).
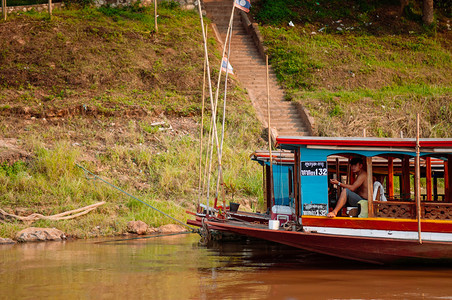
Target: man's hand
(331,214)
(334,181)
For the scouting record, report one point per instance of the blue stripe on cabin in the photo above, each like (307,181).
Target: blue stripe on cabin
(314,189)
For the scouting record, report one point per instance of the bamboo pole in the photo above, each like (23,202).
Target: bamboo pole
(4,9)
(201,131)
(206,164)
(220,182)
(269,134)
(217,93)
(214,109)
(223,195)
(155,17)
(418,181)
(206,56)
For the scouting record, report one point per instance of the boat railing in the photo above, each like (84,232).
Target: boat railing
(432,210)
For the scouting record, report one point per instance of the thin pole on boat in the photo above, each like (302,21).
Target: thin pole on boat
(226,43)
(269,135)
(206,55)
(206,164)
(201,131)
(224,108)
(418,181)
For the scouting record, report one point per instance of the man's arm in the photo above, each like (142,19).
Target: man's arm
(352,187)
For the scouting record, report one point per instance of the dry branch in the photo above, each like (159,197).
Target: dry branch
(61,216)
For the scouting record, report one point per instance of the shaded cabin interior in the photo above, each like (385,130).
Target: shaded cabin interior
(303,167)
(278,189)
(397,176)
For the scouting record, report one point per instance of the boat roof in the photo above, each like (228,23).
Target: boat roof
(287,158)
(284,157)
(435,144)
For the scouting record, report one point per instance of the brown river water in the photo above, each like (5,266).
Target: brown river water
(177,267)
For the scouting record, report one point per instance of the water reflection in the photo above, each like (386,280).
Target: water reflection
(176,267)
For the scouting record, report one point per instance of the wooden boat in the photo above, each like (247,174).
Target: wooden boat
(393,230)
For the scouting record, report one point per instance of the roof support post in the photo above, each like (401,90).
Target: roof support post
(448,178)
(405,180)
(370,187)
(390,182)
(297,186)
(338,177)
(268,187)
(435,187)
(264,183)
(417,181)
(350,178)
(428,177)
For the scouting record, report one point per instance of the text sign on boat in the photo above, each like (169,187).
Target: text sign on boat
(310,209)
(314,168)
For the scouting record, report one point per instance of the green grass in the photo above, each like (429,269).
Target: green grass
(121,54)
(167,180)
(351,81)
(303,61)
(110,64)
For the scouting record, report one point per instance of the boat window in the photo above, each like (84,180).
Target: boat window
(397,177)
(401,188)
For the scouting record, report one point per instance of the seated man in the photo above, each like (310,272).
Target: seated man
(352,193)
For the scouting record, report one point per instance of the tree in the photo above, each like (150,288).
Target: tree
(403,4)
(427,12)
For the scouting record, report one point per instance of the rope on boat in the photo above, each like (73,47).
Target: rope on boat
(94,176)
(206,235)
(292,226)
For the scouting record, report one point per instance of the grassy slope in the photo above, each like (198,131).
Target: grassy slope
(86,87)
(358,64)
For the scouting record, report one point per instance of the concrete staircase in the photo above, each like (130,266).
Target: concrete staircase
(249,68)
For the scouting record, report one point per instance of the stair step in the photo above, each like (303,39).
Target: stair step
(250,69)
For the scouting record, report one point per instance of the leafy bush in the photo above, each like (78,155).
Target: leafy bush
(275,12)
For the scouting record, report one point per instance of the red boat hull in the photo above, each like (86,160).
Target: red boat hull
(372,250)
